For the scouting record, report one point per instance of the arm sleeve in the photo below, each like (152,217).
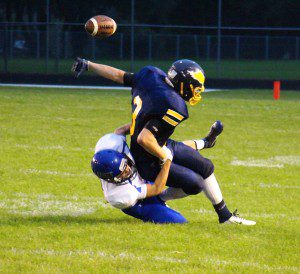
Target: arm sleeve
(125,196)
(158,127)
(128,79)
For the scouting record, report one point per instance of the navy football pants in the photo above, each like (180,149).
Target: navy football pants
(155,211)
(188,169)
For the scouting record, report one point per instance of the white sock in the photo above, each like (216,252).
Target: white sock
(199,144)
(172,193)
(212,190)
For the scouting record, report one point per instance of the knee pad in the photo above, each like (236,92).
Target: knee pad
(208,168)
(193,190)
(195,186)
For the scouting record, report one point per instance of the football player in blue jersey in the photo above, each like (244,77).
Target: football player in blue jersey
(158,106)
(125,189)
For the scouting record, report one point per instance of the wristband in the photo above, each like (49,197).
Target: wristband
(169,155)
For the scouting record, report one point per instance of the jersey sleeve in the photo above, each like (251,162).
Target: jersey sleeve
(158,127)
(124,196)
(166,124)
(128,79)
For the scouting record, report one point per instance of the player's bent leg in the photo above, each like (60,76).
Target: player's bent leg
(186,179)
(155,211)
(190,158)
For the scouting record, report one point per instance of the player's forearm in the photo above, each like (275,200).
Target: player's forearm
(160,181)
(123,130)
(107,72)
(147,140)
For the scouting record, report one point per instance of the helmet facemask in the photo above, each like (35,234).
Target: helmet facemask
(121,179)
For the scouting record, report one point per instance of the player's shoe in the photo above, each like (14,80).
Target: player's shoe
(235,219)
(215,130)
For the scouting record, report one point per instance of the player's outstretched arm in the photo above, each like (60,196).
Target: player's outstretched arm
(81,65)
(161,179)
(108,72)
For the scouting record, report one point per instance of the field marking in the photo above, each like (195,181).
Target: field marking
(58,147)
(126,255)
(277,161)
(68,119)
(50,205)
(64,86)
(251,215)
(78,87)
(262,185)
(274,162)
(54,172)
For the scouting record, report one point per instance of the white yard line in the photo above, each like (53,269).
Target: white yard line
(126,255)
(64,86)
(55,173)
(58,147)
(69,174)
(274,162)
(262,185)
(49,205)
(255,163)
(76,87)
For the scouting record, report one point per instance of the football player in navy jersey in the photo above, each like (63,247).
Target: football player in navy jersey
(158,106)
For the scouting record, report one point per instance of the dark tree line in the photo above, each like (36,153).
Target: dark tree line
(283,13)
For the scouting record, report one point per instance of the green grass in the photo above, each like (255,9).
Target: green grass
(273,70)
(53,218)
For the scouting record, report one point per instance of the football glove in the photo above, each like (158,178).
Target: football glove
(215,130)
(79,66)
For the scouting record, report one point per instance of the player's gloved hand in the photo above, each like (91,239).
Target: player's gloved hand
(215,130)
(80,65)
(169,155)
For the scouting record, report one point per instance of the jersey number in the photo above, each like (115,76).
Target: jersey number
(138,102)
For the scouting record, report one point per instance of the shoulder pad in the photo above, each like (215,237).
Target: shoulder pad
(175,103)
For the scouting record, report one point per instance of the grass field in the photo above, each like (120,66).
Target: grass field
(251,69)
(53,218)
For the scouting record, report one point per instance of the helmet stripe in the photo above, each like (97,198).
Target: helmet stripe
(198,75)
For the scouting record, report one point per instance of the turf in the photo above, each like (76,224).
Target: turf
(53,218)
(236,69)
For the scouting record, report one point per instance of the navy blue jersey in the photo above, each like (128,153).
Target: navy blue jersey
(156,106)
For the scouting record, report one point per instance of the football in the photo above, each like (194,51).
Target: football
(101,26)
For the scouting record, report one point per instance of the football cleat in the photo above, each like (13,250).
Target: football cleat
(215,130)
(79,66)
(235,219)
